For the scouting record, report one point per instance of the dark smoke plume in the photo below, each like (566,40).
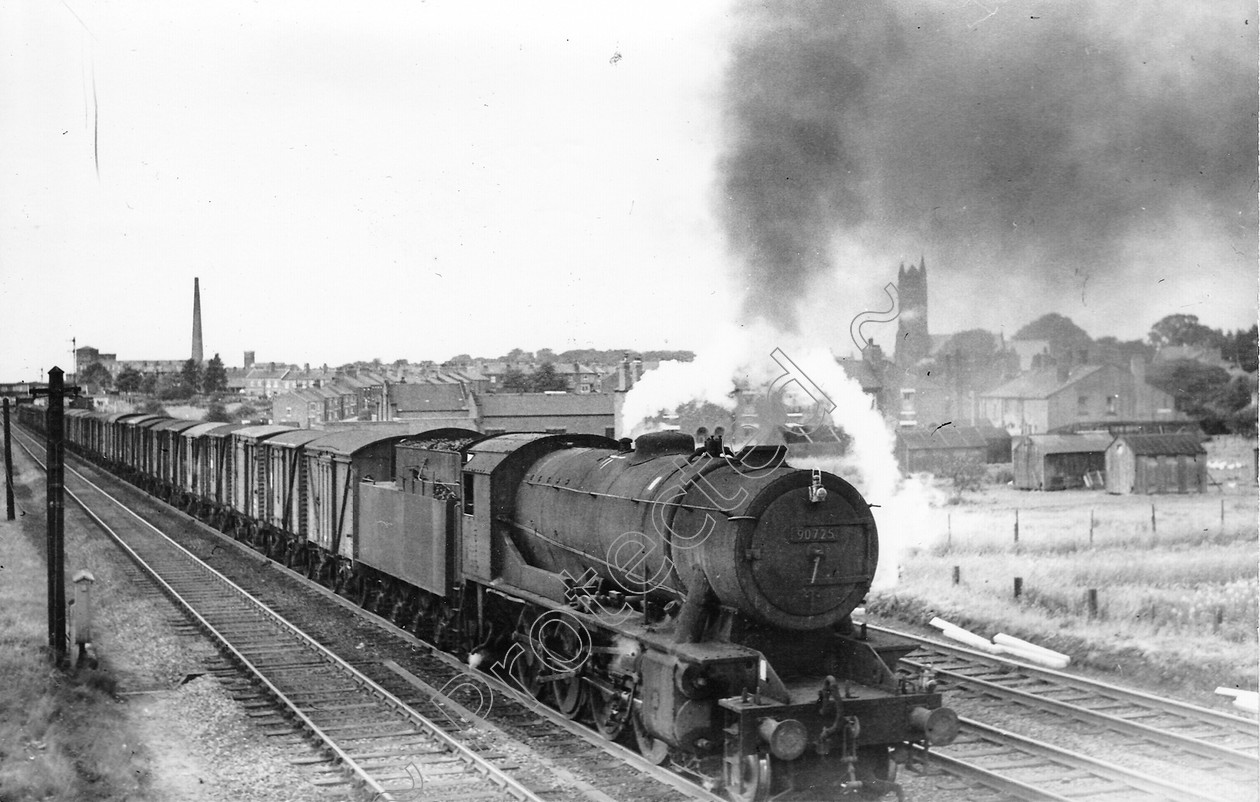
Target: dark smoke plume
(1026,142)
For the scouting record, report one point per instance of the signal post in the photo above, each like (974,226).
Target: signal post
(55,492)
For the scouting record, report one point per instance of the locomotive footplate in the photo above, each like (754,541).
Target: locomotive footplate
(824,728)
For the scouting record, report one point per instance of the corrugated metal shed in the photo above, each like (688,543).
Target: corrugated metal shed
(1070,443)
(1164,444)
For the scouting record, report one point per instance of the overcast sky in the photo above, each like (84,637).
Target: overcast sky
(418,180)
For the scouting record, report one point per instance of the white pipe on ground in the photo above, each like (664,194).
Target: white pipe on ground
(1002,639)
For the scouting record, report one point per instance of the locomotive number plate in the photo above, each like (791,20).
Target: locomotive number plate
(815,534)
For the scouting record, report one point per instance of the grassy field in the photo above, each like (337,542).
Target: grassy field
(62,735)
(1177,599)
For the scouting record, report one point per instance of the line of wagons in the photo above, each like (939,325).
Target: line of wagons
(293,494)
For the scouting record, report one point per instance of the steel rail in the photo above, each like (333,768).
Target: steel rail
(1098,768)
(1205,714)
(466,755)
(1185,743)
(631,758)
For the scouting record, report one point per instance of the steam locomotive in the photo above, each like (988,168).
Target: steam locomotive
(695,602)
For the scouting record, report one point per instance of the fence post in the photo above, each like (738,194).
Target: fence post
(1017,527)
(957,574)
(1153,531)
(1091,527)
(8,470)
(1019,586)
(1222,516)
(1091,599)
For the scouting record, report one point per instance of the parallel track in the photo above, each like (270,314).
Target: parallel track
(367,733)
(1224,744)
(1219,738)
(984,756)
(1032,770)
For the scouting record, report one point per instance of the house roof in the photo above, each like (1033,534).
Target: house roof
(427,397)
(1041,383)
(863,371)
(498,405)
(1163,444)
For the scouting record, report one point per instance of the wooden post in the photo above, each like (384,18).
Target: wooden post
(1019,586)
(1016,527)
(1153,531)
(1222,500)
(957,574)
(8,469)
(1091,527)
(1219,619)
(1091,599)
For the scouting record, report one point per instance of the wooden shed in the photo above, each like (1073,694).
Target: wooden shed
(1059,461)
(934,449)
(1156,463)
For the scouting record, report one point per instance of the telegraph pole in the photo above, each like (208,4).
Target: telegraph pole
(55,422)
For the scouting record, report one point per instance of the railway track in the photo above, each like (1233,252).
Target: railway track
(516,716)
(359,732)
(1223,745)
(1008,764)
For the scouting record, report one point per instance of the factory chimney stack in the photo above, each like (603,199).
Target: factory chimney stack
(196,337)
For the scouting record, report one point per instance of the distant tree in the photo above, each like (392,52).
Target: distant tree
(97,374)
(129,380)
(545,379)
(1125,350)
(1183,330)
(1239,347)
(545,355)
(245,412)
(517,355)
(1203,392)
(190,377)
(401,363)
(669,356)
(515,381)
(149,384)
(965,474)
(215,378)
(217,413)
(1059,330)
(152,407)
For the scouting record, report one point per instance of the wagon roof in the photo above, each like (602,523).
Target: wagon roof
(148,420)
(225,430)
(262,432)
(117,416)
(1166,444)
(351,441)
(204,428)
(175,425)
(296,437)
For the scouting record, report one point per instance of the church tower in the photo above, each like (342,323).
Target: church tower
(913,342)
(196,335)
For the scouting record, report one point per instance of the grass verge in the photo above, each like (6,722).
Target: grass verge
(62,734)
